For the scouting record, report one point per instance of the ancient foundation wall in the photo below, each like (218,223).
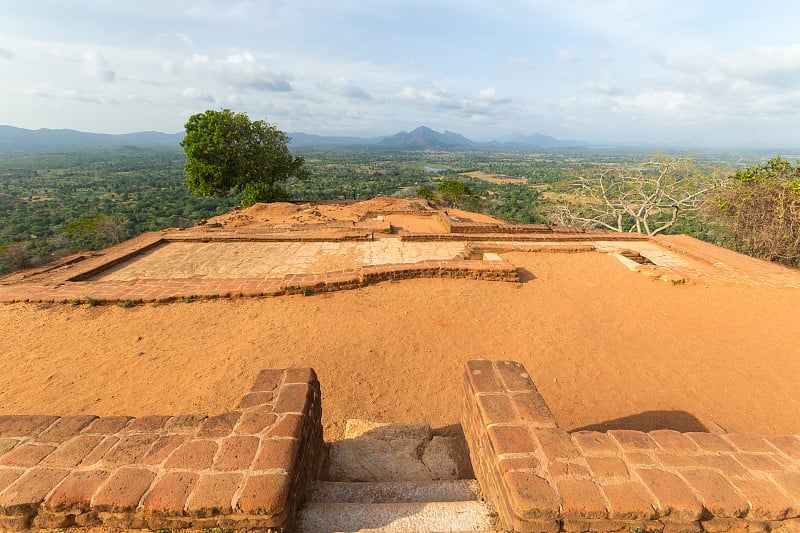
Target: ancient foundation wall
(542,478)
(244,469)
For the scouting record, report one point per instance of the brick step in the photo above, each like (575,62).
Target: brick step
(329,517)
(394,492)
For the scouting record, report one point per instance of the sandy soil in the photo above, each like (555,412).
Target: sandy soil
(607,348)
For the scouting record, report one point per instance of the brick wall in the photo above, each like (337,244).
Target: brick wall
(542,478)
(247,468)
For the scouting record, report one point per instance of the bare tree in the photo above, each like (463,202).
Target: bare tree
(646,198)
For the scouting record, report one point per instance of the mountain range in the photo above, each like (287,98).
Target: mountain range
(19,140)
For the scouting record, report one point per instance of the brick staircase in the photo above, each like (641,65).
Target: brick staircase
(397,477)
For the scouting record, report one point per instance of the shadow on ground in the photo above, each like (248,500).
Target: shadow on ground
(651,421)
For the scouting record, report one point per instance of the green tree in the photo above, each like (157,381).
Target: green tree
(227,152)
(759,211)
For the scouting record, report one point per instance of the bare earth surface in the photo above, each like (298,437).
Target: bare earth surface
(606,346)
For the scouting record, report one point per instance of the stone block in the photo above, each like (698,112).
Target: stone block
(355,428)
(184,424)
(673,441)
(99,451)
(496,408)
(674,498)
(162,448)
(300,375)
(130,449)
(277,453)
(366,459)
(446,458)
(24,425)
(253,422)
(265,494)
(8,476)
(193,455)
(758,462)
(72,453)
(65,428)
(749,443)
(580,498)
(219,425)
(254,399)
(788,445)
(764,498)
(214,494)
(608,467)
(632,441)
(593,443)
(123,491)
(147,424)
(236,453)
(75,492)
(524,462)
(709,442)
(559,469)
(556,444)
(107,425)
(715,492)
(170,492)
(267,380)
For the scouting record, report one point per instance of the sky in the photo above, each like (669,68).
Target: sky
(665,73)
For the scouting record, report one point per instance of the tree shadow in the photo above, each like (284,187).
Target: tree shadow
(650,421)
(525,275)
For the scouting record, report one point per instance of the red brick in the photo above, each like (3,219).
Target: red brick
(65,429)
(632,441)
(7,445)
(559,468)
(556,444)
(76,491)
(709,442)
(24,425)
(108,424)
(170,492)
(288,425)
(639,459)
(514,376)
(277,454)
(674,460)
(608,467)
(122,492)
(511,439)
(788,445)
(527,463)
(789,482)
(758,462)
(130,449)
(26,455)
(267,380)
(99,451)
(716,493)
(254,399)
(580,498)
(219,425)
(184,424)
(71,453)
(214,494)
(480,374)
(495,408)
(162,448)
(674,498)
(293,398)
(764,498)
(265,494)
(531,496)
(147,424)
(193,455)
(29,490)
(253,422)
(749,443)
(533,409)
(724,463)
(594,443)
(236,453)
(299,375)
(8,476)
(629,500)
(673,441)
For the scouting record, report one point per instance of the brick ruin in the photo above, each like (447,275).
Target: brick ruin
(250,468)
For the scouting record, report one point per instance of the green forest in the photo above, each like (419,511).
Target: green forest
(52,205)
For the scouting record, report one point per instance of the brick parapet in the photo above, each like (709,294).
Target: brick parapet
(247,468)
(542,478)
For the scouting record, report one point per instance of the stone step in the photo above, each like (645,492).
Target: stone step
(328,517)
(395,492)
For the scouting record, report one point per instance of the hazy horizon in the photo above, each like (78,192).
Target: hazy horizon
(680,73)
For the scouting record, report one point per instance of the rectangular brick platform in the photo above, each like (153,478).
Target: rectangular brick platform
(247,468)
(544,479)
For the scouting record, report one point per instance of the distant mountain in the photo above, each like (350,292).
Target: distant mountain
(536,140)
(424,138)
(19,140)
(308,140)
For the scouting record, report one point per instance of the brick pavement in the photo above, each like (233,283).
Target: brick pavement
(243,469)
(542,478)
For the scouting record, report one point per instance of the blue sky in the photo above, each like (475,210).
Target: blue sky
(668,73)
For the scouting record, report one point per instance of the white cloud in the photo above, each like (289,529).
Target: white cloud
(194,93)
(96,66)
(435,97)
(185,39)
(5,53)
(241,70)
